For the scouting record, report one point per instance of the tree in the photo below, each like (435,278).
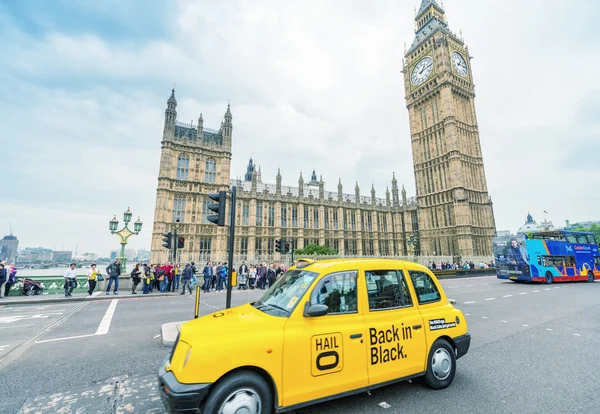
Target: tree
(315,250)
(594,228)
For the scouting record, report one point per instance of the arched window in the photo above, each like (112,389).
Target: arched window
(211,171)
(183,163)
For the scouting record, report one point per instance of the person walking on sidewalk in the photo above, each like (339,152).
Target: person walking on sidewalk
(187,279)
(70,280)
(3,278)
(114,271)
(146,279)
(208,274)
(135,278)
(92,277)
(176,277)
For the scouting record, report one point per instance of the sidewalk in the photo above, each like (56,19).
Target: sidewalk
(77,297)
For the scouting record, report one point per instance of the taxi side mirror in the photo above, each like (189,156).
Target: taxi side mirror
(316,310)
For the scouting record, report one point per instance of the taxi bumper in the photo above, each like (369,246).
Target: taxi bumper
(462,344)
(178,397)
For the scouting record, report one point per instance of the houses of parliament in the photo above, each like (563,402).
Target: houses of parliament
(451,216)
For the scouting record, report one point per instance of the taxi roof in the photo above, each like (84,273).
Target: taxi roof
(322,265)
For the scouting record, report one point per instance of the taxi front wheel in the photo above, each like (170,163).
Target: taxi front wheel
(441,365)
(240,392)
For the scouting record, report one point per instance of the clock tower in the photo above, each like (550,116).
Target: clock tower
(455,210)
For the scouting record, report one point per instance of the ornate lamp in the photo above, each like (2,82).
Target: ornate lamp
(127,216)
(113,224)
(137,226)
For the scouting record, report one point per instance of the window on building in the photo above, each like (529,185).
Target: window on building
(384,223)
(353,217)
(270,247)
(335,219)
(283,216)
(338,292)
(425,287)
(326,218)
(259,214)
(258,247)
(271,216)
(244,248)
(183,163)
(345,220)
(305,217)
(211,171)
(179,209)
(369,221)
(205,249)
(387,289)
(362,220)
(245,214)
(295,217)
(336,245)
(316,218)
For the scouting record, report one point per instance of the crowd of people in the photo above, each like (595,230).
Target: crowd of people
(8,277)
(458,266)
(171,277)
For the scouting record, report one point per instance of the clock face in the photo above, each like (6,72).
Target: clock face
(459,64)
(422,71)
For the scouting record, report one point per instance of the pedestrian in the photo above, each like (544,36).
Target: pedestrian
(92,277)
(213,280)
(252,276)
(3,279)
(262,276)
(271,275)
(176,277)
(169,276)
(194,277)
(114,272)
(207,272)
(70,280)
(11,278)
(146,279)
(160,273)
(135,278)
(187,279)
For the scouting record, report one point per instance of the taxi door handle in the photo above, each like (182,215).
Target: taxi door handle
(356,336)
(415,327)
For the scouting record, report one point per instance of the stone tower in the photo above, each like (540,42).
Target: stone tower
(195,161)
(455,210)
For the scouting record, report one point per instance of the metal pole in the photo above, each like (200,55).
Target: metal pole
(123,258)
(175,240)
(197,308)
(231,246)
(292,252)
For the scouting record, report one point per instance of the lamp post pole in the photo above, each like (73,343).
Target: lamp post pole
(412,243)
(125,233)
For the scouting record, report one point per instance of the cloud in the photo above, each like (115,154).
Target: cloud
(312,85)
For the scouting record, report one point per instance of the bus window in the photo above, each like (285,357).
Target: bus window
(597,261)
(539,260)
(591,239)
(582,239)
(571,238)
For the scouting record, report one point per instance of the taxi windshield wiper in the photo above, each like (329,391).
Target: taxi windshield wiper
(277,307)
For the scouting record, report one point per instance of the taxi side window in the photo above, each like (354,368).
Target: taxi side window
(425,287)
(387,289)
(338,292)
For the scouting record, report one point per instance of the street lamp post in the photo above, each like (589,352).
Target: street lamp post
(125,233)
(412,244)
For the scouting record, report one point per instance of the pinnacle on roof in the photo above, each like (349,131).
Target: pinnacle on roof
(200,117)
(278,173)
(425,4)
(340,184)
(172,97)
(394,181)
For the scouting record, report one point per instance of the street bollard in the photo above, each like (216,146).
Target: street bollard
(197,308)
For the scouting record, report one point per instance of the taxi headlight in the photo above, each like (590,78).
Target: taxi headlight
(187,357)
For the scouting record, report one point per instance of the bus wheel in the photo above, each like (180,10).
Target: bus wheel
(549,278)
(590,276)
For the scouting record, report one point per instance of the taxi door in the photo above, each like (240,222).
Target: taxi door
(325,355)
(395,332)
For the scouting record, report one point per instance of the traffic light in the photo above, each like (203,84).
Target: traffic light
(287,248)
(167,240)
(218,219)
(278,246)
(180,242)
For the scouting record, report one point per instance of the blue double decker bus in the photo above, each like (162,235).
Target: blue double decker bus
(548,256)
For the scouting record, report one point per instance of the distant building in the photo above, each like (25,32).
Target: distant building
(35,254)
(142,255)
(586,224)
(90,256)
(9,246)
(531,225)
(62,255)
(113,255)
(130,254)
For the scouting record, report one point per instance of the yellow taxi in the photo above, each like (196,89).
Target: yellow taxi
(325,330)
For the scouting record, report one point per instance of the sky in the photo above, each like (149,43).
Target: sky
(312,85)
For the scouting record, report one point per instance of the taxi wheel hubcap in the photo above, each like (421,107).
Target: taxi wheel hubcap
(241,401)
(441,364)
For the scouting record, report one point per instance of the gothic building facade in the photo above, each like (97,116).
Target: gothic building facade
(451,215)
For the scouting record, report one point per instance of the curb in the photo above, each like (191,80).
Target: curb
(467,276)
(62,299)
(169,332)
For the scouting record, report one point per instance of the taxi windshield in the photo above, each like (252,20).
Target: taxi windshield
(282,297)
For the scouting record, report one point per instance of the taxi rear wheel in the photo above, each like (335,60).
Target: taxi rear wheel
(441,365)
(241,392)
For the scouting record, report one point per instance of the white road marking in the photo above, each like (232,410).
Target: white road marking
(467,314)
(156,336)
(507,296)
(504,321)
(4,346)
(453,287)
(548,329)
(16,326)
(469,302)
(491,299)
(484,284)
(525,325)
(556,287)
(63,339)
(535,291)
(105,324)
(469,285)
(484,317)
(576,334)
(547,289)
(523,293)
